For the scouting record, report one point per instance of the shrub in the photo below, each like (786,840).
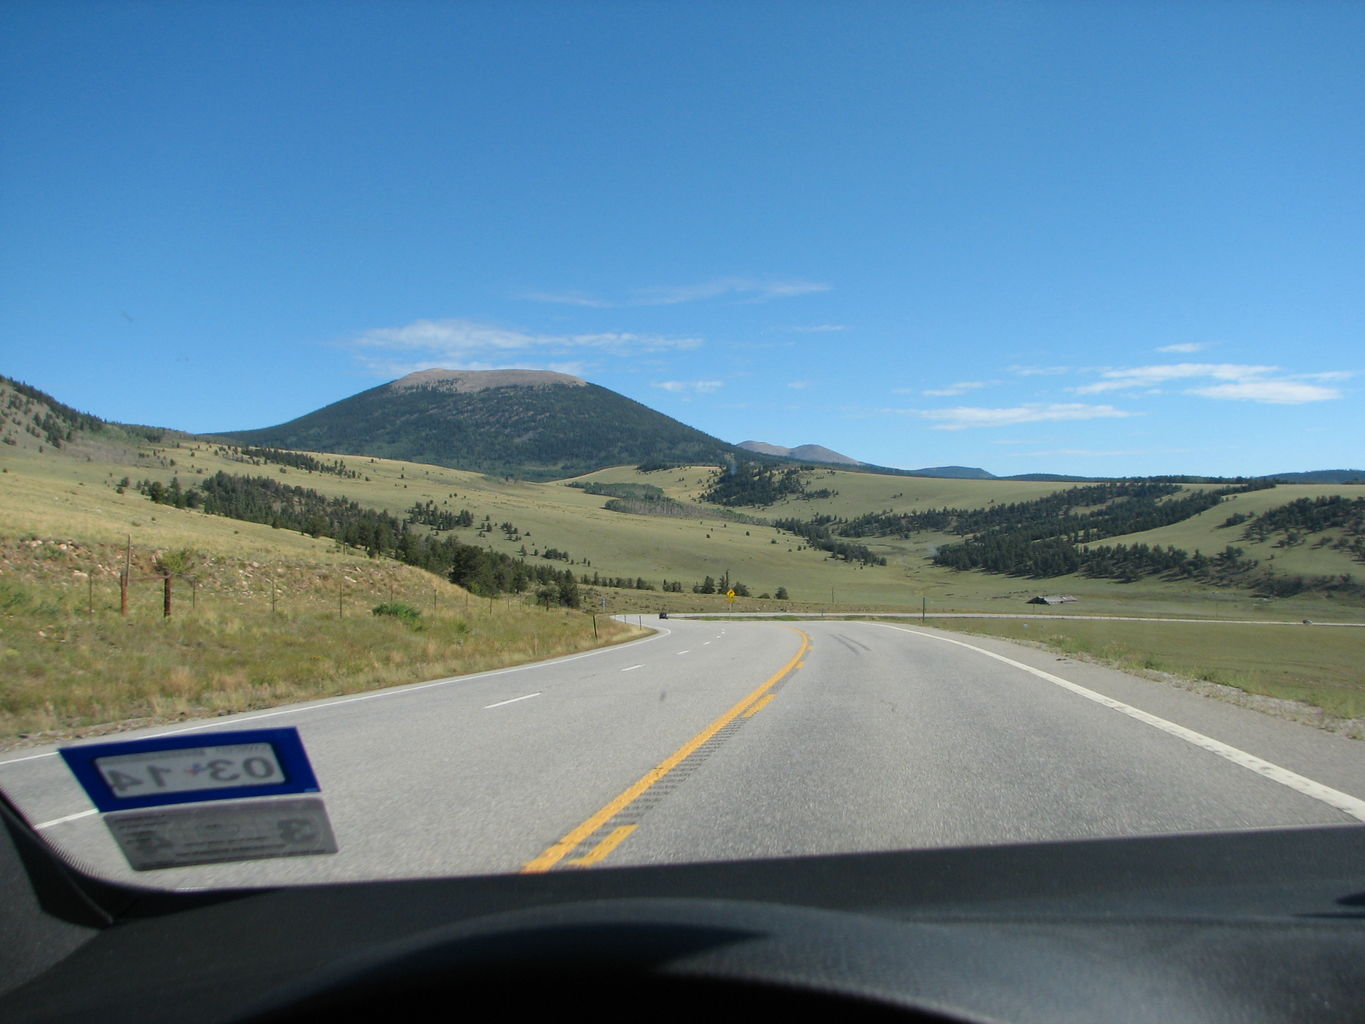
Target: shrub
(404,612)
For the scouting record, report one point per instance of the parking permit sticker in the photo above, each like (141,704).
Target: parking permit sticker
(172,837)
(165,798)
(178,769)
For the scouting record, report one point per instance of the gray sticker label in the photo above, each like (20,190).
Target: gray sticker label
(172,837)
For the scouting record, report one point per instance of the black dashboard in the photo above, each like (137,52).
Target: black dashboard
(1246,926)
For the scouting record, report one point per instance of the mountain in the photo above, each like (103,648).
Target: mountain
(32,420)
(1320,476)
(954,473)
(532,424)
(805,452)
(1053,478)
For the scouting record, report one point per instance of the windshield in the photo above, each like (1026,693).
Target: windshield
(490,438)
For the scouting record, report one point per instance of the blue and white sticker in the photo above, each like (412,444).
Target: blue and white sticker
(134,774)
(218,833)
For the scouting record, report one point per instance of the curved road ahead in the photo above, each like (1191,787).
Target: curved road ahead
(720,740)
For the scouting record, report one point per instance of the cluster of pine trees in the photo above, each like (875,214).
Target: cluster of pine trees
(639,492)
(379,534)
(1305,516)
(1057,556)
(428,514)
(749,483)
(818,533)
(711,585)
(258,456)
(1044,538)
(617,582)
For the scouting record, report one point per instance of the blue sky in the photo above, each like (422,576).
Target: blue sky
(1090,238)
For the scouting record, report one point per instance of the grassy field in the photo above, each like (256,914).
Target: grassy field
(1316,665)
(259,616)
(248,635)
(68,495)
(816,582)
(71,498)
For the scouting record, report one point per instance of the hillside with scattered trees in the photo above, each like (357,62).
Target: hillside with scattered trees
(547,427)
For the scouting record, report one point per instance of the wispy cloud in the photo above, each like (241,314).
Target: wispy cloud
(468,345)
(1155,376)
(798,385)
(1039,371)
(819,328)
(1272,392)
(690,387)
(1234,381)
(963,417)
(741,289)
(1184,347)
(570,299)
(960,388)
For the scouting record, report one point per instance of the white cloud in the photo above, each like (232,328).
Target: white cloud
(697,387)
(820,328)
(569,299)
(963,417)
(1184,347)
(467,345)
(960,388)
(1251,383)
(798,385)
(1154,376)
(742,288)
(1273,392)
(1039,371)
(397,368)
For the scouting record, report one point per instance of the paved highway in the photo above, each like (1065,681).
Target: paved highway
(717,740)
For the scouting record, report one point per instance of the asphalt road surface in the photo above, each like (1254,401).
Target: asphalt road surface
(724,740)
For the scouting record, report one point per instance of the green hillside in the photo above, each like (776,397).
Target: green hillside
(528,424)
(548,524)
(78,493)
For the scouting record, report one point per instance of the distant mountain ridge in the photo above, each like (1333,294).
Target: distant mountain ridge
(1320,476)
(805,452)
(532,424)
(31,419)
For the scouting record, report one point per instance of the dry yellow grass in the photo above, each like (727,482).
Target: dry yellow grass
(292,621)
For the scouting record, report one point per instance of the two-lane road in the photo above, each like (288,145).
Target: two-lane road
(739,739)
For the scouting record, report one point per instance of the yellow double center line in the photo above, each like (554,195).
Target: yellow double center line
(558,851)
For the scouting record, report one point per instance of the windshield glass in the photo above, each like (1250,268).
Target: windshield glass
(483,438)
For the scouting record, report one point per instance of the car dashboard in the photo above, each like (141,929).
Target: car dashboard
(1240,926)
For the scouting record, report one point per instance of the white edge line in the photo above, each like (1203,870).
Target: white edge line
(1344,802)
(501,703)
(229,721)
(64,820)
(631,668)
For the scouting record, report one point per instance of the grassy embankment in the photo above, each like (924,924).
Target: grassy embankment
(1316,665)
(260,616)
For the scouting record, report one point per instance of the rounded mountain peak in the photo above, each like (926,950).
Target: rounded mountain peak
(479,380)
